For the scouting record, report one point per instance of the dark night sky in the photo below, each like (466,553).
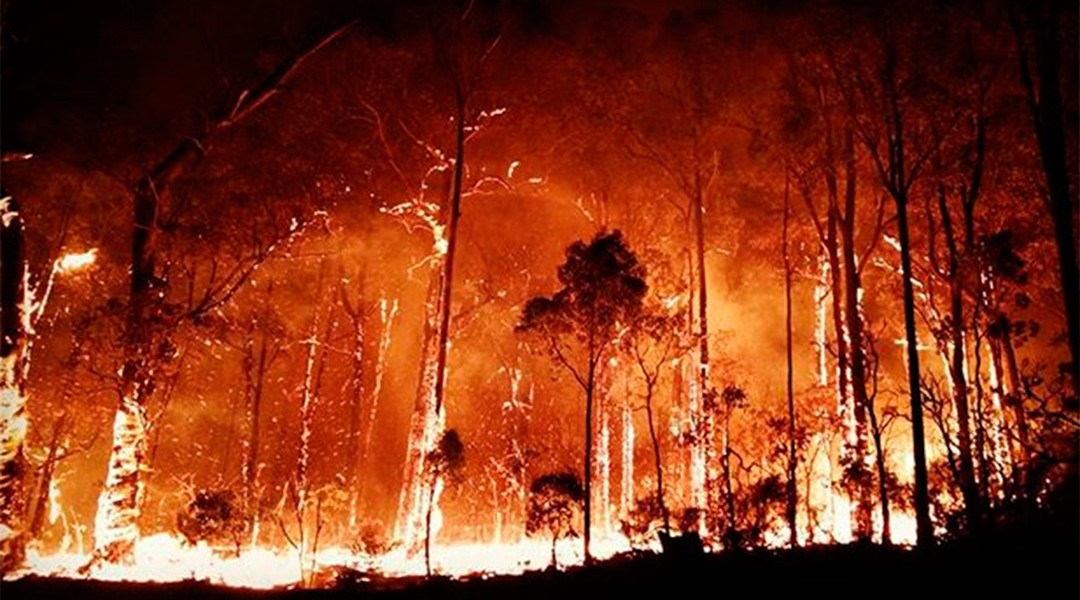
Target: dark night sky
(126,72)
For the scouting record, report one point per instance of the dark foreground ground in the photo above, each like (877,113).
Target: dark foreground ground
(1044,564)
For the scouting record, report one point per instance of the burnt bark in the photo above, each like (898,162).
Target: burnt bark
(792,490)
(1037,26)
(13,366)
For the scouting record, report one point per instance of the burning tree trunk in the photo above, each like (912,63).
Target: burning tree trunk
(968,486)
(424,427)
(603,450)
(15,328)
(427,419)
(701,462)
(821,311)
(46,471)
(627,479)
(145,344)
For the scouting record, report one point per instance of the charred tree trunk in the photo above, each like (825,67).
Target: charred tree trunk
(1041,24)
(254,378)
(792,490)
(590,389)
(650,388)
(702,420)
(14,362)
(857,365)
(925,529)
(968,485)
(882,476)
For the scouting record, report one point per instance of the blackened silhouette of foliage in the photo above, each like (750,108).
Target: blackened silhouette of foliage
(603,294)
(214,517)
(446,462)
(553,499)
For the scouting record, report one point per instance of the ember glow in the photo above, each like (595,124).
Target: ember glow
(399,290)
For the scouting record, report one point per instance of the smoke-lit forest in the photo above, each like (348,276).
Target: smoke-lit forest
(441,288)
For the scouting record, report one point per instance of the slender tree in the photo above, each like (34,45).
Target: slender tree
(603,291)
(792,466)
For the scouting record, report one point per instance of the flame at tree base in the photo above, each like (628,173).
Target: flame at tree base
(168,558)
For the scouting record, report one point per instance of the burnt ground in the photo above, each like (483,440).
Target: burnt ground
(1043,564)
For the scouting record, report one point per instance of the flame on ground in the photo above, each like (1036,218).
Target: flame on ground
(164,558)
(168,558)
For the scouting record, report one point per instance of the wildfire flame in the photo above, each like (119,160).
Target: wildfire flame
(73,261)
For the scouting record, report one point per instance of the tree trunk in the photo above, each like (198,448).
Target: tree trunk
(968,486)
(424,426)
(255,377)
(116,525)
(730,533)
(590,384)
(1047,112)
(627,460)
(430,506)
(603,450)
(703,481)
(924,527)
(882,477)
(857,364)
(650,386)
(821,311)
(45,478)
(356,406)
(14,363)
(792,490)
(431,416)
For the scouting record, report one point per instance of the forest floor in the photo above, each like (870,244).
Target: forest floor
(1027,564)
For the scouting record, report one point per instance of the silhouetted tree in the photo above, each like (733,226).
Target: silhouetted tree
(1040,38)
(603,291)
(552,500)
(656,340)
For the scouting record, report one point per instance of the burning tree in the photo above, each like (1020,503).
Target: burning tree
(603,291)
(552,500)
(21,306)
(151,317)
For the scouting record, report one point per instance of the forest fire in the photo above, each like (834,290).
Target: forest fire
(380,295)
